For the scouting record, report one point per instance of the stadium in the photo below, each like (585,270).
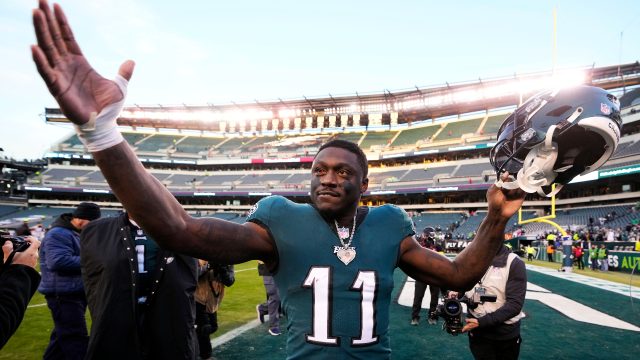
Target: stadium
(428,153)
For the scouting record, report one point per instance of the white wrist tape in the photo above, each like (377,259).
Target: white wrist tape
(101,131)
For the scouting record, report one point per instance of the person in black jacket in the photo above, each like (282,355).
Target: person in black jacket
(18,282)
(62,283)
(141,297)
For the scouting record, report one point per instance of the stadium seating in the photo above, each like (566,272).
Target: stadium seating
(6,210)
(353,137)
(232,144)
(379,139)
(627,149)
(60,174)
(157,142)
(456,129)
(477,169)
(220,179)
(196,145)
(492,124)
(71,142)
(133,138)
(436,219)
(411,136)
(379,177)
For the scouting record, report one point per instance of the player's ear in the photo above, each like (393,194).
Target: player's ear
(364,186)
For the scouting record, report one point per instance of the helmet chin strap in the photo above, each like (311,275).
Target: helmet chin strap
(537,169)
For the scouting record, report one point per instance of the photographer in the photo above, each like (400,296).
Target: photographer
(212,278)
(18,282)
(494,327)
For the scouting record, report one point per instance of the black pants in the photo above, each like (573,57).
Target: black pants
(487,349)
(69,337)
(206,324)
(418,295)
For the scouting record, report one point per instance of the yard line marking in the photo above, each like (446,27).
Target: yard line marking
(577,311)
(234,333)
(36,305)
(570,308)
(622,289)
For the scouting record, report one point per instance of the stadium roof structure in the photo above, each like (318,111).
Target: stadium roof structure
(386,108)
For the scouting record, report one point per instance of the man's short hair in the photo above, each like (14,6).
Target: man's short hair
(351,147)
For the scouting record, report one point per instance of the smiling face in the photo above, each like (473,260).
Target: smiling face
(337,182)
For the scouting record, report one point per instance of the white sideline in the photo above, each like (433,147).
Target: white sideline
(233,333)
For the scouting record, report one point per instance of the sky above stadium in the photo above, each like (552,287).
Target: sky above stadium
(198,52)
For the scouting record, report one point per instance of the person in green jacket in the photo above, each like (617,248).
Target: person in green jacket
(603,255)
(593,257)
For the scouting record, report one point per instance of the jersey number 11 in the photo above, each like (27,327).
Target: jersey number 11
(319,280)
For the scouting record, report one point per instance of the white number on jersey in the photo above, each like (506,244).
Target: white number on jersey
(319,280)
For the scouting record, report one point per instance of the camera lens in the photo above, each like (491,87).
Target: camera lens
(452,307)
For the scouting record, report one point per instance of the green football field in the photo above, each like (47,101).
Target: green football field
(569,316)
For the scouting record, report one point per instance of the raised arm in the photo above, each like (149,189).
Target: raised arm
(91,102)
(469,266)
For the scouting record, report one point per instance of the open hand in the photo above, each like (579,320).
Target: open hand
(77,87)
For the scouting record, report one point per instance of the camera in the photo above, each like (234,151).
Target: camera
(451,310)
(20,243)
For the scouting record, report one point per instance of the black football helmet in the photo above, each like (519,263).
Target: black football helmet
(556,136)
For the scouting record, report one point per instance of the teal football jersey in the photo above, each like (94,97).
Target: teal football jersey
(334,311)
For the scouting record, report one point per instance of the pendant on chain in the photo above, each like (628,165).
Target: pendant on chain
(346,255)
